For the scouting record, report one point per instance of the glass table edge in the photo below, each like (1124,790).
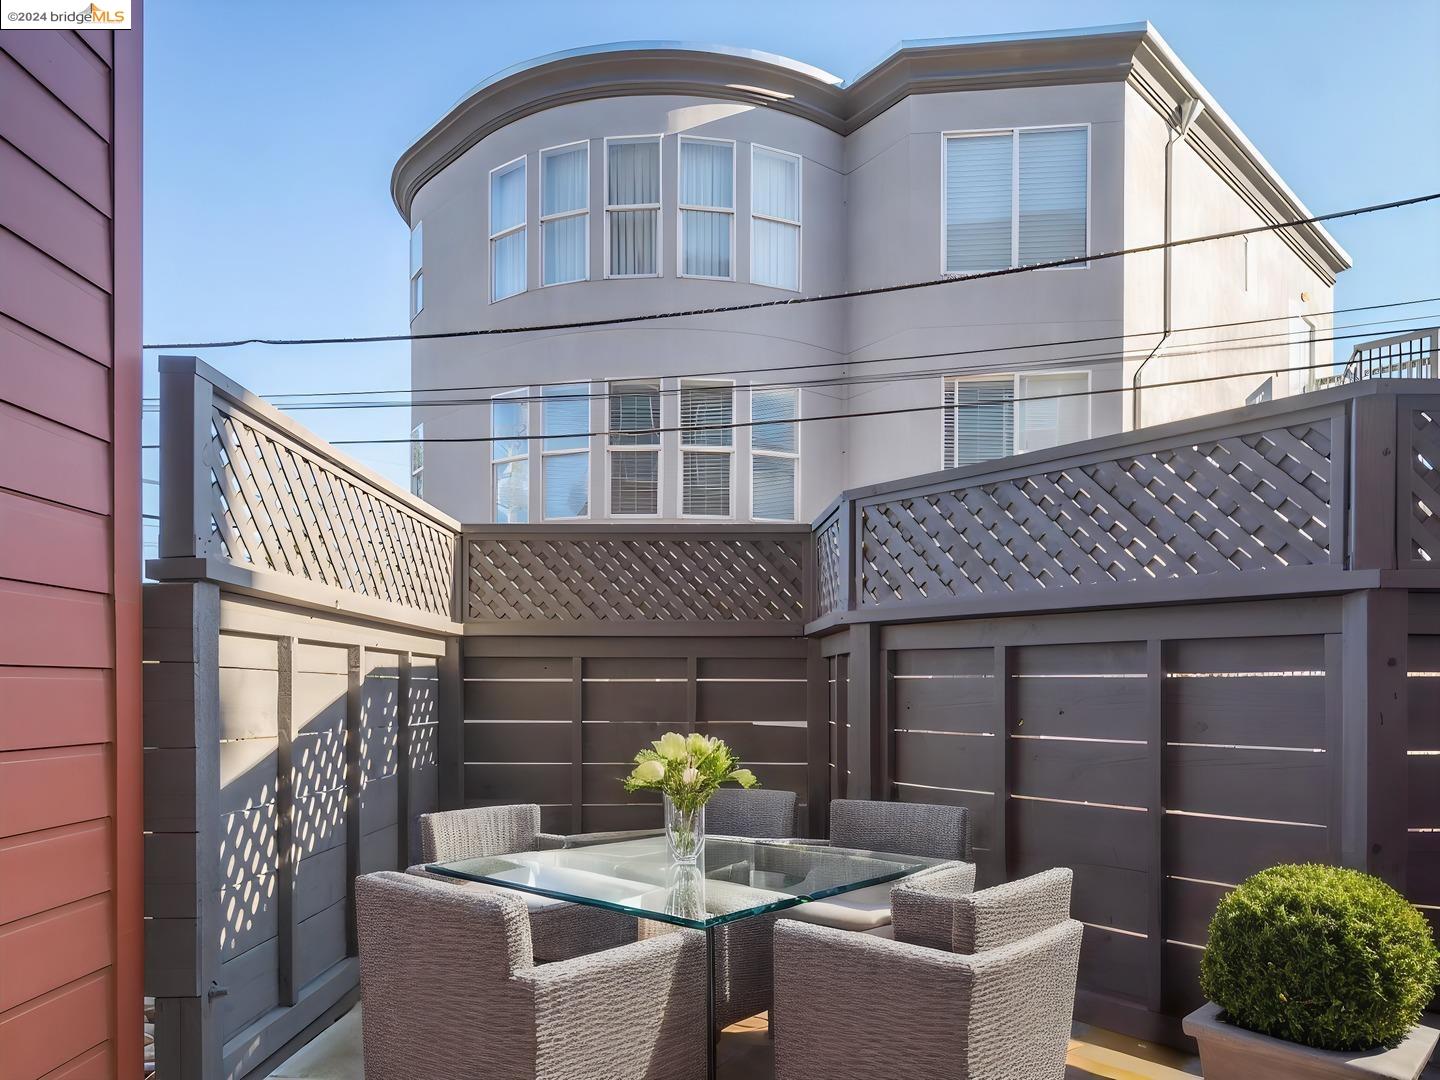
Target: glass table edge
(781,904)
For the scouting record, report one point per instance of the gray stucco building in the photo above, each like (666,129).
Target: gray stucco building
(653,176)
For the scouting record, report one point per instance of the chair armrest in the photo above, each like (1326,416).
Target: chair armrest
(922,906)
(601,1014)
(548,841)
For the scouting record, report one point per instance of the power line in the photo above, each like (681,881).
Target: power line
(734,425)
(865,360)
(875,290)
(1211,348)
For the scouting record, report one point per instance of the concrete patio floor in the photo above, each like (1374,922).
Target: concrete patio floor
(745,1055)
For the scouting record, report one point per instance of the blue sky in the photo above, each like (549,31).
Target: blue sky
(270,136)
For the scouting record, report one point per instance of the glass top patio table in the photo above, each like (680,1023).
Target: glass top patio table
(736,878)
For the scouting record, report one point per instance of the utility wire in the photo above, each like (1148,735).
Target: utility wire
(1198,348)
(875,290)
(300,395)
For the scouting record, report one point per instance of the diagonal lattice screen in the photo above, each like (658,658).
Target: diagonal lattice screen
(829,566)
(660,578)
(1424,493)
(275,507)
(1243,502)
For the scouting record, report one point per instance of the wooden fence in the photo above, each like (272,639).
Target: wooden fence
(1166,658)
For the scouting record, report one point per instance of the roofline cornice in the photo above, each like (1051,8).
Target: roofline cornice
(1133,53)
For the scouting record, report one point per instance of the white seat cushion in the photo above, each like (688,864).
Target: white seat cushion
(860,910)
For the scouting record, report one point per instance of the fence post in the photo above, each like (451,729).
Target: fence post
(185,406)
(1374,768)
(864,690)
(1372,471)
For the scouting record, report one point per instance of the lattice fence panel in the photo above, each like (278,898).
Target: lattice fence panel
(650,578)
(1239,503)
(275,507)
(829,568)
(1424,477)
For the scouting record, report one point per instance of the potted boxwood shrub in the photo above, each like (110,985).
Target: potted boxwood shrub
(1315,971)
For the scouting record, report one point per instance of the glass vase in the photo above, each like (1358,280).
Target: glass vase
(684,832)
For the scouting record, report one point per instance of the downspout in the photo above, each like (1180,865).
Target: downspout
(1185,115)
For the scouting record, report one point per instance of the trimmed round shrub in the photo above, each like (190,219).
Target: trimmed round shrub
(1320,955)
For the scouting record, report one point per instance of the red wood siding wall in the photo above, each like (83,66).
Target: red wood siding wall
(70,772)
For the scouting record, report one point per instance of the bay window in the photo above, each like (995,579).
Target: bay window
(707,207)
(507,230)
(510,457)
(565,214)
(774,454)
(774,218)
(634,448)
(565,451)
(993,416)
(1015,198)
(632,206)
(707,448)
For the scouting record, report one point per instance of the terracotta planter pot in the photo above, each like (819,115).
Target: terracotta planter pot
(1228,1052)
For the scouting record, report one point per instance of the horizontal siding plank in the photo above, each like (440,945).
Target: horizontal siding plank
(1080,658)
(320,882)
(1113,963)
(320,702)
(1088,708)
(42,626)
(1278,785)
(248,915)
(43,789)
(517,700)
(248,844)
(758,742)
(54,707)
(1424,707)
(48,133)
(64,547)
(963,703)
(1097,772)
(252,987)
(1424,788)
(1180,979)
(604,817)
(614,742)
(528,668)
(949,761)
(322,943)
(1246,654)
(518,783)
(742,667)
(48,950)
(521,742)
(249,703)
(47,296)
(749,701)
(1215,849)
(46,378)
(53,1031)
(1050,834)
(42,458)
(47,214)
(45,870)
(942,662)
(380,850)
(70,70)
(1248,711)
(1188,908)
(652,702)
(319,823)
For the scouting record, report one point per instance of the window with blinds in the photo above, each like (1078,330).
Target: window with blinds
(565,451)
(707,207)
(707,446)
(417,269)
(979,419)
(774,218)
(507,230)
(774,454)
(993,416)
(634,448)
(565,214)
(632,206)
(1015,198)
(510,457)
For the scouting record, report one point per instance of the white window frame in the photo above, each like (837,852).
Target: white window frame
(680,387)
(417,460)
(799,222)
(417,271)
(524,392)
(1015,402)
(659,139)
(522,160)
(1247,255)
(681,207)
(583,212)
(545,453)
(795,456)
(658,450)
(1014,132)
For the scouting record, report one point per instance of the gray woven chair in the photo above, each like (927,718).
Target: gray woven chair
(560,930)
(931,830)
(766,813)
(858,1006)
(451,992)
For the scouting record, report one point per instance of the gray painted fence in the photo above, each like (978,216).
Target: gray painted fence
(1165,658)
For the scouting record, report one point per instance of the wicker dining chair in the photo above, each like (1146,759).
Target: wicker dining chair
(996,1004)
(763,813)
(560,930)
(451,991)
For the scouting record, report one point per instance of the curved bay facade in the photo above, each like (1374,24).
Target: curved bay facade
(652,177)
